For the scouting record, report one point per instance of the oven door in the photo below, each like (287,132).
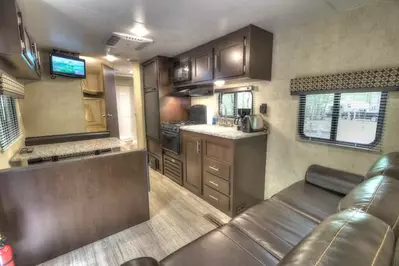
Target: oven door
(171,142)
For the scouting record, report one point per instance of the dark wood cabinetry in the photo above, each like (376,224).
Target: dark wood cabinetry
(229,174)
(173,169)
(159,106)
(150,75)
(246,53)
(202,63)
(192,145)
(243,54)
(19,56)
(230,56)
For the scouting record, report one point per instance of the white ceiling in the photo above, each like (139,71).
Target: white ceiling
(175,25)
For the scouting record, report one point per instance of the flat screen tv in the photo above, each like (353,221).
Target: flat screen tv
(67,66)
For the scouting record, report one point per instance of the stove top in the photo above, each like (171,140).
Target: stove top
(175,125)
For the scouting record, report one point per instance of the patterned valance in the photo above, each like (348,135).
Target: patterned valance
(367,80)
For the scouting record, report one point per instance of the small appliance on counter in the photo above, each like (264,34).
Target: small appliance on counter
(242,112)
(252,123)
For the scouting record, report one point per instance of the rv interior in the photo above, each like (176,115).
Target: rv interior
(183,132)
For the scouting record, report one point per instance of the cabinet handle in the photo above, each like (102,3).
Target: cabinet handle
(214,168)
(198,147)
(216,61)
(213,183)
(209,63)
(212,197)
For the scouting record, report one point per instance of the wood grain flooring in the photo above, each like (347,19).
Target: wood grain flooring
(176,219)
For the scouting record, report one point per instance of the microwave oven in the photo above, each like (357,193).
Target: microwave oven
(182,71)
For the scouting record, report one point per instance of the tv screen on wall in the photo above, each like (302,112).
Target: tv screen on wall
(67,66)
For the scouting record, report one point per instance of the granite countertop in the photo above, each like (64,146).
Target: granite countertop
(219,131)
(68,148)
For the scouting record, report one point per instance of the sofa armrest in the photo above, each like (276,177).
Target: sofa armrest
(144,261)
(332,179)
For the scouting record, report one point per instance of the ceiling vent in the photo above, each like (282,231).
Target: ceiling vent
(122,42)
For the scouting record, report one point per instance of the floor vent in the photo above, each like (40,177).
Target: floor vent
(211,218)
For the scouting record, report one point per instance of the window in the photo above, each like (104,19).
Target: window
(9,127)
(349,119)
(230,102)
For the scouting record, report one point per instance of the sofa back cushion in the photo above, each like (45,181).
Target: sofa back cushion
(331,179)
(351,237)
(378,196)
(387,164)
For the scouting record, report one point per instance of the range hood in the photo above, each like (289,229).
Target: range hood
(194,91)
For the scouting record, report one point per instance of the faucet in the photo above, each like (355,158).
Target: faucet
(223,115)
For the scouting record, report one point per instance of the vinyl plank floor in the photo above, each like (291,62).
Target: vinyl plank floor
(176,218)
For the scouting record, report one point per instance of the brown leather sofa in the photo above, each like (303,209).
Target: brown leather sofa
(330,218)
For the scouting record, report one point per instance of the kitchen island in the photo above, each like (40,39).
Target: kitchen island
(49,209)
(66,150)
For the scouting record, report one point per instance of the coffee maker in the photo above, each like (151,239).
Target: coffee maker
(242,112)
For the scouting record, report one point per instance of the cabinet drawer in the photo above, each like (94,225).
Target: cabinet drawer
(219,149)
(217,199)
(217,183)
(217,168)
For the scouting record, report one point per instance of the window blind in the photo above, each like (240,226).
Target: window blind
(9,127)
(345,119)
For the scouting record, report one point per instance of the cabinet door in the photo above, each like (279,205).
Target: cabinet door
(202,64)
(230,57)
(150,75)
(110,100)
(151,112)
(193,169)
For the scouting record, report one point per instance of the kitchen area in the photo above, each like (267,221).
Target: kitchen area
(68,148)
(216,150)
(72,161)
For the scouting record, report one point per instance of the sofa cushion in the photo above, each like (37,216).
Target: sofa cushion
(341,240)
(387,164)
(274,226)
(224,246)
(378,196)
(312,201)
(332,179)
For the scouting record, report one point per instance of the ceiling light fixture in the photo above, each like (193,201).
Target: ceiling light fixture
(131,72)
(219,83)
(88,59)
(110,58)
(139,30)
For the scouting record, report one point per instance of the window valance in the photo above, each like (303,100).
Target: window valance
(9,86)
(367,80)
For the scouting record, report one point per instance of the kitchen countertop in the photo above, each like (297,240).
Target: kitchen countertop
(68,148)
(222,132)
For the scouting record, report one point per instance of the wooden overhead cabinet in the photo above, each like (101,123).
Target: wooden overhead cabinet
(244,53)
(202,63)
